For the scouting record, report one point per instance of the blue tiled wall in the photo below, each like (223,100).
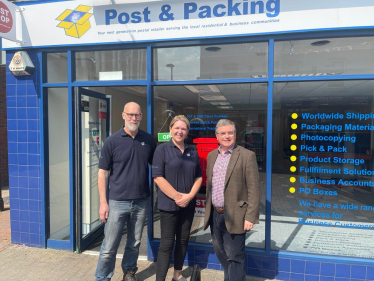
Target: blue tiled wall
(307,270)
(288,269)
(24,155)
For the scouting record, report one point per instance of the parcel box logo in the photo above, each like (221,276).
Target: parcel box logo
(75,22)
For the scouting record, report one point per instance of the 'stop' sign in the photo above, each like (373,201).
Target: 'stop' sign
(8,21)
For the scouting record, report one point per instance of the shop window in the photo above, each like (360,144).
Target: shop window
(119,97)
(320,57)
(111,65)
(58,153)
(211,62)
(57,68)
(322,168)
(204,106)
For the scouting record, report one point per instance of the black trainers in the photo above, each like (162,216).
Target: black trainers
(129,275)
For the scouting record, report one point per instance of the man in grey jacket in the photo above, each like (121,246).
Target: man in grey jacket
(233,198)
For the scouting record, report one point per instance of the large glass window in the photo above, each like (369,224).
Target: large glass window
(211,62)
(204,106)
(332,56)
(111,65)
(58,152)
(57,68)
(322,181)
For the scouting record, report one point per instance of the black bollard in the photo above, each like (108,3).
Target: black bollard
(196,276)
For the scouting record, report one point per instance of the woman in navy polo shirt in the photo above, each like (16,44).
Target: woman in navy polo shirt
(176,170)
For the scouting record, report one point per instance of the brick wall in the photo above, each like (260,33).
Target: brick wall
(3,129)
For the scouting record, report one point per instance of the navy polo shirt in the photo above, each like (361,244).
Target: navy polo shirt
(180,170)
(127,159)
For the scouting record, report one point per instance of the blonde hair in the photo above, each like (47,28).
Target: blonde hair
(180,118)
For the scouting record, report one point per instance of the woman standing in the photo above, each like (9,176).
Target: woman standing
(176,170)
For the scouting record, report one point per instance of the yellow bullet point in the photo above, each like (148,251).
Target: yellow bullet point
(293,126)
(292,179)
(294,116)
(293,147)
(293,158)
(292,190)
(293,137)
(293,169)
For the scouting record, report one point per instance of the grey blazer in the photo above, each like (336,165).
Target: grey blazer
(242,191)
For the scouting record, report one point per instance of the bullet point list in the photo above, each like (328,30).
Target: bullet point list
(293,147)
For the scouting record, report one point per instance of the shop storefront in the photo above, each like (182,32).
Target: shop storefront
(296,77)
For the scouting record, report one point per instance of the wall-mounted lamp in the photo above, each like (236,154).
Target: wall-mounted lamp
(213,49)
(291,49)
(171,70)
(320,43)
(92,59)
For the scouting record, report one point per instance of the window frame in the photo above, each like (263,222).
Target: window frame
(149,83)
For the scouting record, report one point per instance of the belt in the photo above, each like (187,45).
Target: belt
(219,210)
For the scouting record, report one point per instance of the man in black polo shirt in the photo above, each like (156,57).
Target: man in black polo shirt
(124,161)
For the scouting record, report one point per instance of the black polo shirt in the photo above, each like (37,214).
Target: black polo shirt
(127,159)
(180,170)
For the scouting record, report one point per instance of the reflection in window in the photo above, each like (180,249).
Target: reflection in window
(57,68)
(111,65)
(204,106)
(332,56)
(58,153)
(211,62)
(322,179)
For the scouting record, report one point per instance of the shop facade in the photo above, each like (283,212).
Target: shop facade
(297,78)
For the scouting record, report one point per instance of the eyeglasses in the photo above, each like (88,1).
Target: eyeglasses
(222,134)
(132,115)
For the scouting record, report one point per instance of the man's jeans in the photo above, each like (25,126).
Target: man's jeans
(132,213)
(229,248)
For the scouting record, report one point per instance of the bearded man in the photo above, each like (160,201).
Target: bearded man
(124,161)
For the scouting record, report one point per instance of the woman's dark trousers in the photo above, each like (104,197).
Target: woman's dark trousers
(175,226)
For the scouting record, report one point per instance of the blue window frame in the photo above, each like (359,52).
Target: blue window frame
(149,83)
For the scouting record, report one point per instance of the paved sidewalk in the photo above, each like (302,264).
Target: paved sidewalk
(20,263)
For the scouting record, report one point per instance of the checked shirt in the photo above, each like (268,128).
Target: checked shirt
(218,178)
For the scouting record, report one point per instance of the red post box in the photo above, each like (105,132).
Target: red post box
(204,146)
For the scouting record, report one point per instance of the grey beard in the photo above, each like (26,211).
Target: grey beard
(132,128)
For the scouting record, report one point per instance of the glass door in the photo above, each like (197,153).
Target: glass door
(92,128)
